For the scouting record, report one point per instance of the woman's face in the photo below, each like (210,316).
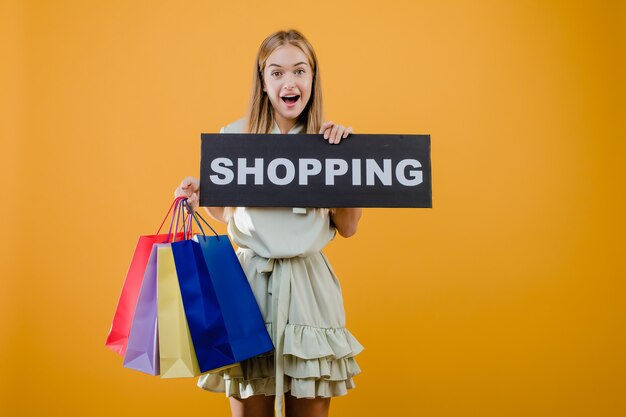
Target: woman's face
(287,80)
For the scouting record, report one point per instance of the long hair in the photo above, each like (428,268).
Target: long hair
(260,115)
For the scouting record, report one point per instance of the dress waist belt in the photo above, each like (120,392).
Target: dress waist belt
(280,276)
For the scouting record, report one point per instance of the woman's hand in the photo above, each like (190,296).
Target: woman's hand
(190,188)
(333,133)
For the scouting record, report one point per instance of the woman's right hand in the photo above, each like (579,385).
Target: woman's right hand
(190,188)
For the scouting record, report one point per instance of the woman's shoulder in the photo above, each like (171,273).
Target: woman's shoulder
(238,126)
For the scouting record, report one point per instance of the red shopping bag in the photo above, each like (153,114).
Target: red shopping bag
(117,339)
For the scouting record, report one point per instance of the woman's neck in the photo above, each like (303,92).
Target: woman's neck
(285,125)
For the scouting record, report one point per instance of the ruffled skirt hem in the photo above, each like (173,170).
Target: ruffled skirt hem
(317,363)
(299,388)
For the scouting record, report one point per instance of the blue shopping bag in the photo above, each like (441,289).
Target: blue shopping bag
(202,309)
(247,334)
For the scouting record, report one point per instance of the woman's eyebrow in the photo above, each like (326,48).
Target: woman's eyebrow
(294,65)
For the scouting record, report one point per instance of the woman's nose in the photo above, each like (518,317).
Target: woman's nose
(289,83)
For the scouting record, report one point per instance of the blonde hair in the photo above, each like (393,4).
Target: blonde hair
(260,115)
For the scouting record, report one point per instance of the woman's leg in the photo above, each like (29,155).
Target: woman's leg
(306,407)
(254,406)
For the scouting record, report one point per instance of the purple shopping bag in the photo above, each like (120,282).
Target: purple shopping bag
(142,353)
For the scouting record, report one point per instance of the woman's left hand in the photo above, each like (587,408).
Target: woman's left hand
(333,133)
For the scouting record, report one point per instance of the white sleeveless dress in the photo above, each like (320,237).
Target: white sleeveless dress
(300,298)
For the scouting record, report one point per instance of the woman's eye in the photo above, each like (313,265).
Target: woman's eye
(275,74)
(300,71)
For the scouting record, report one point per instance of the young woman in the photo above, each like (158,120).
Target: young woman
(280,251)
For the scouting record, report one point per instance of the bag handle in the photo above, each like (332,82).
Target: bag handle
(195,215)
(187,220)
(174,221)
(182,219)
(174,205)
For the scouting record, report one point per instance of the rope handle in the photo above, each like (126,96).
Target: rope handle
(195,216)
(174,204)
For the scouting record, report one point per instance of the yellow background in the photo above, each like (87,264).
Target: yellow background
(505,299)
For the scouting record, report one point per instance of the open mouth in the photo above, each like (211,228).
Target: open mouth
(290,99)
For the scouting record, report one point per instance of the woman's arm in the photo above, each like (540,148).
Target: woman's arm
(346,220)
(216,213)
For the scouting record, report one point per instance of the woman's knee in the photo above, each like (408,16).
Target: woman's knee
(306,407)
(254,406)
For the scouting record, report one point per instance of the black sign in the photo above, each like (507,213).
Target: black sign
(258,170)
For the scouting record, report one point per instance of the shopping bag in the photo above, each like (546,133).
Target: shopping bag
(176,351)
(246,329)
(117,340)
(142,353)
(202,310)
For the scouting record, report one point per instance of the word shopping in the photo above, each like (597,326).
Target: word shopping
(282,171)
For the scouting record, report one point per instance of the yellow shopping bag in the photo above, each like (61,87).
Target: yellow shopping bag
(177,355)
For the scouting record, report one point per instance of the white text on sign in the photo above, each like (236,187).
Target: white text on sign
(282,171)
